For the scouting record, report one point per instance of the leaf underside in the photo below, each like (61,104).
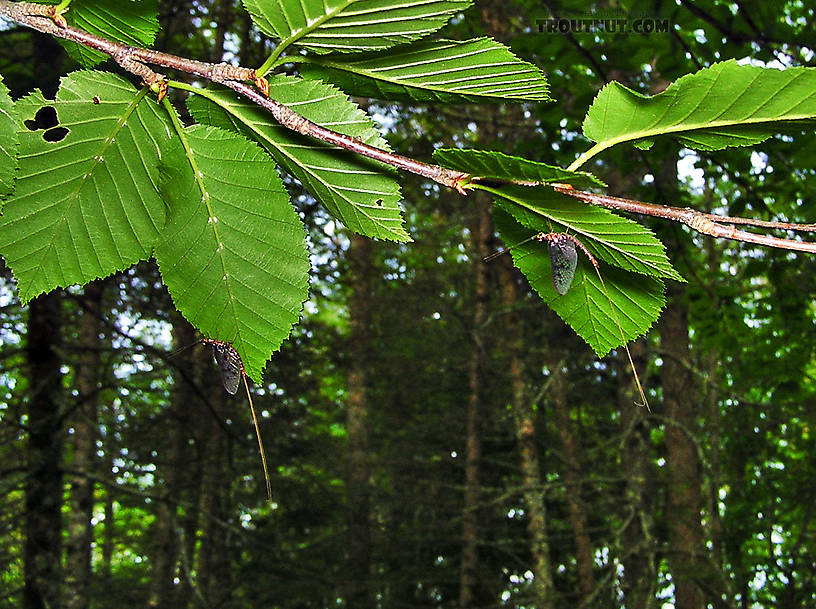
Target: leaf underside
(351,26)
(132,23)
(606,315)
(616,240)
(88,204)
(497,165)
(233,254)
(726,104)
(445,71)
(363,194)
(9,141)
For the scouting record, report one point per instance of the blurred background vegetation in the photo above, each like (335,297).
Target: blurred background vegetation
(437,437)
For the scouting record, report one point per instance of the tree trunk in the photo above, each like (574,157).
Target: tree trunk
(358,554)
(524,414)
(468,580)
(88,375)
(213,559)
(682,463)
(638,544)
(165,548)
(105,571)
(572,479)
(43,493)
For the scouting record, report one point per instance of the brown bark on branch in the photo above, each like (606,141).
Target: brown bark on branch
(707,224)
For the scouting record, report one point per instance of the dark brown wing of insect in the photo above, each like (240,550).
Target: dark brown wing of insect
(564,260)
(229,362)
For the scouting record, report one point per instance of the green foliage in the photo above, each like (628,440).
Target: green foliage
(605,314)
(85,205)
(134,23)
(444,71)
(87,202)
(751,360)
(499,166)
(9,140)
(350,26)
(233,253)
(724,105)
(619,241)
(363,194)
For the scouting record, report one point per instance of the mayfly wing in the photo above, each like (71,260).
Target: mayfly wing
(230,364)
(563,259)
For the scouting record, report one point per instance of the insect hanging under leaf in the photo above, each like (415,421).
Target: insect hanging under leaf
(229,363)
(563,257)
(563,250)
(563,260)
(232,372)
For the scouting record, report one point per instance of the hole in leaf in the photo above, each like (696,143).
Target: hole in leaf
(56,134)
(45,118)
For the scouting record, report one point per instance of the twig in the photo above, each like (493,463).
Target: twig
(44,19)
(708,224)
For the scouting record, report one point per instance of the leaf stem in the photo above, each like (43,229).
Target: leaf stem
(271,61)
(581,160)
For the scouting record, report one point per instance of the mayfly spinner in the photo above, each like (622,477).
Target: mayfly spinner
(564,261)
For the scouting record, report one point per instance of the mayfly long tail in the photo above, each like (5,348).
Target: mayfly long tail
(260,440)
(625,344)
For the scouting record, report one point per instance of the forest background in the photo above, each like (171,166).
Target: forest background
(437,436)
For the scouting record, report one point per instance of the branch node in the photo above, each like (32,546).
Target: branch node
(154,80)
(262,84)
(57,16)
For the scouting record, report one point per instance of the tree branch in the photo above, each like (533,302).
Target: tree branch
(46,19)
(707,224)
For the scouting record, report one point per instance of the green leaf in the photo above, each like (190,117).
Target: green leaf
(618,241)
(606,315)
(445,71)
(350,26)
(499,166)
(724,105)
(88,204)
(133,23)
(363,194)
(8,141)
(233,254)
